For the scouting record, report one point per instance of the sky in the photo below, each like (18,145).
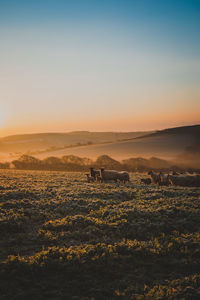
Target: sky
(103,65)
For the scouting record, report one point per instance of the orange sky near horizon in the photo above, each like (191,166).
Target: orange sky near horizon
(113,112)
(147,123)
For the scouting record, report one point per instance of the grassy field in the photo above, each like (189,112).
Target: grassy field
(64,238)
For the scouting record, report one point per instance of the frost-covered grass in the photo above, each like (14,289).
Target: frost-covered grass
(64,238)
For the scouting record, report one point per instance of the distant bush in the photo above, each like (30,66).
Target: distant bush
(75,163)
(27,162)
(108,162)
(141,164)
(4,165)
(65,163)
(72,159)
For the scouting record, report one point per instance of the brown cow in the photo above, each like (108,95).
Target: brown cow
(155,177)
(146,180)
(89,178)
(94,173)
(109,175)
(185,180)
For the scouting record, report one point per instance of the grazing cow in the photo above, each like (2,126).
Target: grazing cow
(98,178)
(94,173)
(123,176)
(164,179)
(146,180)
(109,175)
(179,179)
(160,179)
(155,177)
(89,178)
(175,173)
(185,180)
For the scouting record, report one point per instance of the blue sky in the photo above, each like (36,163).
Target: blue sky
(98,65)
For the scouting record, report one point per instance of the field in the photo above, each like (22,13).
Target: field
(63,238)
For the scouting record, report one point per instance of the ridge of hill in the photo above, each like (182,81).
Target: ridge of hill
(45,141)
(183,130)
(167,143)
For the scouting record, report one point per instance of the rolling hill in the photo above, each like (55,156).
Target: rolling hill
(166,143)
(15,145)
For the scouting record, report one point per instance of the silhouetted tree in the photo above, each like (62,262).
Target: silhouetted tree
(108,162)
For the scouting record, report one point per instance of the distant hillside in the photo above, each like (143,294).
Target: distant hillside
(52,141)
(194,130)
(166,143)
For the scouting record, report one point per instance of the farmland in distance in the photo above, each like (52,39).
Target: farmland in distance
(64,238)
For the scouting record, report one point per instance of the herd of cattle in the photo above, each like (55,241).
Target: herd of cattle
(161,178)
(103,175)
(174,178)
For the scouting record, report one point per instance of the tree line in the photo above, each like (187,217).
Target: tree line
(75,163)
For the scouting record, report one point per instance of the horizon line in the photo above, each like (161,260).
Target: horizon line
(97,131)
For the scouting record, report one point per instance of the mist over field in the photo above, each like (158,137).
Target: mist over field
(178,145)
